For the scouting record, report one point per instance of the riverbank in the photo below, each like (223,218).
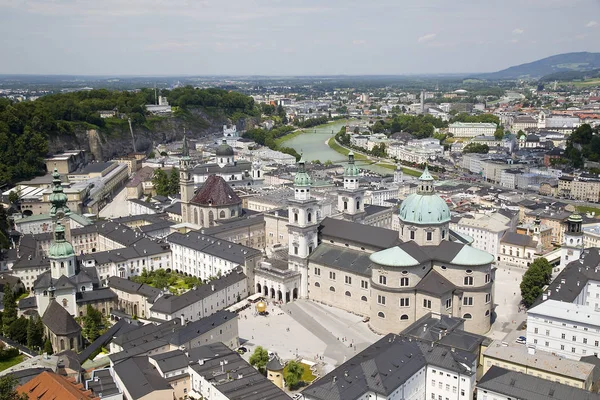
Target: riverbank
(301,131)
(334,145)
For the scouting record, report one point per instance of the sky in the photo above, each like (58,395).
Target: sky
(288,37)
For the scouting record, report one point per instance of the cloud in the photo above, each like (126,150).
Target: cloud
(426,38)
(517,31)
(591,24)
(358,42)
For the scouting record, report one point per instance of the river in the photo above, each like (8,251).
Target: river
(313,145)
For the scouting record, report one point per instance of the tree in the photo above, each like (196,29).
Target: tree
(535,278)
(152,155)
(10,308)
(48,347)
(35,333)
(8,385)
(91,323)
(259,358)
(13,196)
(17,330)
(293,374)
(499,133)
(476,148)
(174,181)
(160,181)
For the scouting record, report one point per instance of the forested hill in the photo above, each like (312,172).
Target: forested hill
(582,61)
(29,130)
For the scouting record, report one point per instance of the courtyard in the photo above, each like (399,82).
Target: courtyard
(507,297)
(305,329)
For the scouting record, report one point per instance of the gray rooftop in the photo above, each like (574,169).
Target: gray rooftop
(517,385)
(230,251)
(169,304)
(384,366)
(343,258)
(371,236)
(140,377)
(246,384)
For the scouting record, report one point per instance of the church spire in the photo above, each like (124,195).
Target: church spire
(185,150)
(58,198)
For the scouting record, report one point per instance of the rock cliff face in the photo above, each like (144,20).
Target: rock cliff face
(105,144)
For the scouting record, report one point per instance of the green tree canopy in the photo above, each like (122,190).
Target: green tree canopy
(17,330)
(476,148)
(10,309)
(293,374)
(535,278)
(8,385)
(259,358)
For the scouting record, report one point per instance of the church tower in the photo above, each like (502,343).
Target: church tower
(61,254)
(573,242)
(351,197)
(186,181)
(59,210)
(302,227)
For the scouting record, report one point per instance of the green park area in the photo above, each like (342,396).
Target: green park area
(160,279)
(307,375)
(586,209)
(7,363)
(342,150)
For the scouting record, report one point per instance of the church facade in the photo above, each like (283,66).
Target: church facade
(391,277)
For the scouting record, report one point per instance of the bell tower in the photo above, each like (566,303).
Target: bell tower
(302,227)
(59,211)
(351,197)
(186,181)
(573,241)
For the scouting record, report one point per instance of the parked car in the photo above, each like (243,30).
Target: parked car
(366,319)
(521,340)
(242,350)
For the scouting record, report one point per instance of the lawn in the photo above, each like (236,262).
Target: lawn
(289,136)
(342,150)
(307,375)
(412,172)
(585,209)
(11,362)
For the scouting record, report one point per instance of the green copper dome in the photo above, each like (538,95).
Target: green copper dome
(58,198)
(351,169)
(224,149)
(302,178)
(424,207)
(60,248)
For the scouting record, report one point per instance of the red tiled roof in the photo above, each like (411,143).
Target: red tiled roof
(216,192)
(50,386)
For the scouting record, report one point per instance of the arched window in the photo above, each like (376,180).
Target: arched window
(317,284)
(404,316)
(222,214)
(331,289)
(295,217)
(348,294)
(380,314)
(65,302)
(404,282)
(364,298)
(468,280)
(382,280)
(83,288)
(467,316)
(62,344)
(345,205)
(309,217)
(62,264)
(358,205)
(233,213)
(72,343)
(45,293)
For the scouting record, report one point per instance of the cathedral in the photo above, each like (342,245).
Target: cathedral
(392,277)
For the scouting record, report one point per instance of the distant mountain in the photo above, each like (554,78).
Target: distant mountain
(567,62)
(571,75)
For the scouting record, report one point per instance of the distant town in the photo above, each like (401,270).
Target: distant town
(294,238)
